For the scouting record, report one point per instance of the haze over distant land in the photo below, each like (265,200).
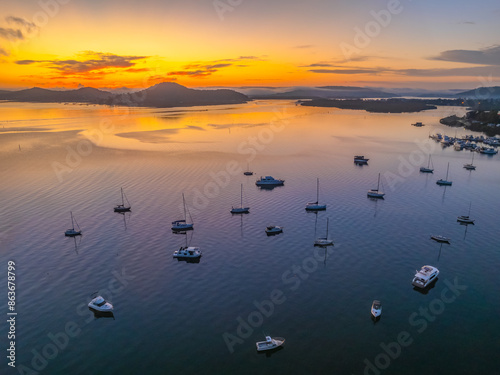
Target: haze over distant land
(170,94)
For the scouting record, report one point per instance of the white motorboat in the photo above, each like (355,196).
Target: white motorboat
(270,343)
(466,218)
(360,159)
(183,225)
(440,238)
(324,241)
(100,304)
(72,232)
(376,193)
(188,252)
(241,209)
(376,309)
(427,169)
(315,206)
(273,229)
(269,181)
(122,207)
(488,151)
(426,276)
(445,181)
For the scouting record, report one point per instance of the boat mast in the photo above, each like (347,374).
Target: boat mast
(378,183)
(184,204)
(317,190)
(447,170)
(241,196)
(72,224)
(327,228)
(123,202)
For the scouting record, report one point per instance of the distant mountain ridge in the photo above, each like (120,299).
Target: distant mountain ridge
(492,92)
(37,94)
(171,94)
(328,92)
(166,94)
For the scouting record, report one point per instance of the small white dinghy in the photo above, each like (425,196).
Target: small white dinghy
(376,309)
(100,304)
(270,343)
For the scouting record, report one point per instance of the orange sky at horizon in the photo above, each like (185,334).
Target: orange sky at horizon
(129,44)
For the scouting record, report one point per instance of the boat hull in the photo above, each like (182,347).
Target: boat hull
(375,194)
(72,233)
(443,183)
(316,207)
(426,170)
(440,239)
(122,209)
(242,210)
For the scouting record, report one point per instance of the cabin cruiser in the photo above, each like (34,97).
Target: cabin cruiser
(270,343)
(488,151)
(426,276)
(187,252)
(269,181)
(360,159)
(273,229)
(100,304)
(376,309)
(181,225)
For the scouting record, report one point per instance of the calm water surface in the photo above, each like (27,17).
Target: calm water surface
(172,317)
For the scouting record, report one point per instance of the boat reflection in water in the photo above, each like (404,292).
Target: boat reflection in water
(102,314)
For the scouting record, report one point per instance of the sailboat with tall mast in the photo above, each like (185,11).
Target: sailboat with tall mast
(376,193)
(470,166)
(465,219)
(248,172)
(427,169)
(315,206)
(241,209)
(445,181)
(122,207)
(324,241)
(182,225)
(73,232)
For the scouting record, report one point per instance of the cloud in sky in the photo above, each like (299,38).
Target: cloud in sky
(3,52)
(90,62)
(21,22)
(475,71)
(486,56)
(11,34)
(205,69)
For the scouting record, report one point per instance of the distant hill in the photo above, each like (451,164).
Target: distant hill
(39,95)
(383,106)
(492,92)
(171,94)
(328,92)
(165,94)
